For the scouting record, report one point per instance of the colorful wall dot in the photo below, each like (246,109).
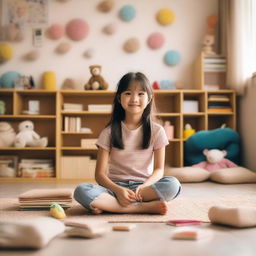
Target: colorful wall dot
(165,17)
(55,31)
(172,58)
(131,45)
(77,29)
(63,48)
(109,29)
(155,40)
(6,52)
(127,13)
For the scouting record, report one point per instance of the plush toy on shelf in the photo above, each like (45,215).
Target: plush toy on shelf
(28,137)
(96,82)
(209,38)
(215,160)
(7,135)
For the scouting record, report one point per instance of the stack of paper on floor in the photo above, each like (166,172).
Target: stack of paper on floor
(38,199)
(86,228)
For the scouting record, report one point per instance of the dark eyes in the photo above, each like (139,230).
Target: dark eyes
(129,93)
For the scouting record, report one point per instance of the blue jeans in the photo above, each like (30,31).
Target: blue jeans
(166,188)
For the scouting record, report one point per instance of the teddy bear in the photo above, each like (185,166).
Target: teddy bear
(28,137)
(215,160)
(208,44)
(7,135)
(96,82)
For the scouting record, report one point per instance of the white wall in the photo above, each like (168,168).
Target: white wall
(184,35)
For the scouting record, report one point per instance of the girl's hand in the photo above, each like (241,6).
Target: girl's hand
(125,196)
(138,193)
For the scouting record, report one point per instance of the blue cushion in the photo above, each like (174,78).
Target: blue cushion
(221,138)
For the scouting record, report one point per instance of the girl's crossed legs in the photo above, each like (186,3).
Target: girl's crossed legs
(97,198)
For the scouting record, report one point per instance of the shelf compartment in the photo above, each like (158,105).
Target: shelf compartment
(167,101)
(7,98)
(86,98)
(173,154)
(43,127)
(47,101)
(217,120)
(197,122)
(200,97)
(175,121)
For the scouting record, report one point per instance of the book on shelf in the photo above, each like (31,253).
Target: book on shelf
(220,110)
(212,87)
(217,97)
(72,124)
(36,168)
(215,60)
(100,107)
(72,107)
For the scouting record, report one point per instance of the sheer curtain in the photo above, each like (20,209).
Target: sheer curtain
(238,44)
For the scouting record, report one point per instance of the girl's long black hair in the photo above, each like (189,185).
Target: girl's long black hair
(118,113)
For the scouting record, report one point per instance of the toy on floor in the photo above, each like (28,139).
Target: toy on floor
(28,137)
(240,217)
(189,233)
(7,135)
(96,82)
(124,227)
(57,211)
(85,228)
(215,160)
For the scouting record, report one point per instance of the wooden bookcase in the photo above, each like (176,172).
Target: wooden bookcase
(45,123)
(64,145)
(205,75)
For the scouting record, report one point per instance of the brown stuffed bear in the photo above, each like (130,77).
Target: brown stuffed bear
(96,82)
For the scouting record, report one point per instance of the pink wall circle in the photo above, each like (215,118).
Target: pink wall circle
(55,31)
(77,29)
(155,40)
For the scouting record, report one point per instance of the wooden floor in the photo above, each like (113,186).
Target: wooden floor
(150,238)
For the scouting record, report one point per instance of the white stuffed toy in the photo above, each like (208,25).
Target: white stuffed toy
(7,135)
(28,137)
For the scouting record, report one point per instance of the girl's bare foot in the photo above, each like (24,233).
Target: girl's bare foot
(96,211)
(158,206)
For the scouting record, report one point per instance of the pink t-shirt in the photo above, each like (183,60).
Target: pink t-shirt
(132,162)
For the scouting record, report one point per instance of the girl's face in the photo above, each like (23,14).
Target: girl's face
(134,100)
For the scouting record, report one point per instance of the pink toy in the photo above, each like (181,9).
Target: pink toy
(215,160)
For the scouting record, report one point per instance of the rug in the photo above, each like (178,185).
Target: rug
(181,208)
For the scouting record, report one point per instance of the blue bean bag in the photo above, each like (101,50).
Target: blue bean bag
(221,138)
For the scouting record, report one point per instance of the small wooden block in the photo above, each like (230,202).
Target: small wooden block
(126,227)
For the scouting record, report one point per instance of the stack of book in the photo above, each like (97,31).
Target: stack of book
(41,199)
(215,63)
(219,103)
(72,124)
(36,168)
(72,107)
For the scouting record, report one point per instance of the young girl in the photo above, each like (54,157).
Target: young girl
(131,156)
